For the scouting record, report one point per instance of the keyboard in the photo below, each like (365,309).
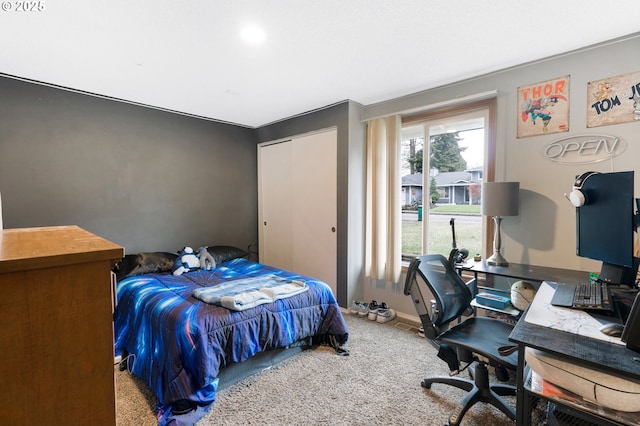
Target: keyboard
(596,296)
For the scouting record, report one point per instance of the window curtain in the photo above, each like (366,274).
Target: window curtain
(383,213)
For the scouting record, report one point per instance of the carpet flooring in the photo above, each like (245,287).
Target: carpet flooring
(377,384)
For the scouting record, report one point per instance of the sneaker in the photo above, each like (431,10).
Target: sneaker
(373,310)
(385,314)
(421,332)
(363,310)
(355,307)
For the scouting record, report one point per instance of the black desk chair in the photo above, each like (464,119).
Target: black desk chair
(474,336)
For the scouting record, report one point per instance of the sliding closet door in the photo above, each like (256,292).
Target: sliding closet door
(314,219)
(275,204)
(298,205)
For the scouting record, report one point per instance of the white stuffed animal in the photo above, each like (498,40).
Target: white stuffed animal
(207,262)
(186,261)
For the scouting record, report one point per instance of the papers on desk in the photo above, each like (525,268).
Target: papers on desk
(542,313)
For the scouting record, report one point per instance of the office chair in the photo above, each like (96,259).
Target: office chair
(473,337)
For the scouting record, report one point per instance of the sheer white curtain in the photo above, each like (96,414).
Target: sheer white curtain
(383,213)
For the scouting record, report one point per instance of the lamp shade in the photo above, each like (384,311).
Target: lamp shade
(500,198)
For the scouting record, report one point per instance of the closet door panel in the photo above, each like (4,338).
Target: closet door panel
(275,205)
(314,189)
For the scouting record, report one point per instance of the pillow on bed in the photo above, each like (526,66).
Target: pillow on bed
(144,263)
(224,253)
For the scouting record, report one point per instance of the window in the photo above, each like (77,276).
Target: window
(441,190)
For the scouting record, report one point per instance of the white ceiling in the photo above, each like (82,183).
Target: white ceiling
(188,55)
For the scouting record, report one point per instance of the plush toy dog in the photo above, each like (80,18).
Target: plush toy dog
(186,261)
(207,262)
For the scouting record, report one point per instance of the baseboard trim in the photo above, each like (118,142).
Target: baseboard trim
(411,319)
(400,316)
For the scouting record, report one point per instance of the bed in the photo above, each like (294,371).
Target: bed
(182,347)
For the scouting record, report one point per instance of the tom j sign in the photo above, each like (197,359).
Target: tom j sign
(613,100)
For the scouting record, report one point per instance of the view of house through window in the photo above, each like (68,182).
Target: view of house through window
(441,184)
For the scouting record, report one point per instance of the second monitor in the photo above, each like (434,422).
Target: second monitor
(606,223)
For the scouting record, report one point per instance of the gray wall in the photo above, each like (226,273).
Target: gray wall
(156,181)
(146,179)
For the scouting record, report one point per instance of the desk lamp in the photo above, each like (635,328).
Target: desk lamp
(499,199)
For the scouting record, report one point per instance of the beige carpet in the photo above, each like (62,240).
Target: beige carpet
(378,384)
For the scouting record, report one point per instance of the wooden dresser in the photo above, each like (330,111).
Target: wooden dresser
(56,330)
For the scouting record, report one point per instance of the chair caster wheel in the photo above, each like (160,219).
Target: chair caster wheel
(501,373)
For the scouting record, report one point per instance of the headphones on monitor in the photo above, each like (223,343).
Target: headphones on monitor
(576,196)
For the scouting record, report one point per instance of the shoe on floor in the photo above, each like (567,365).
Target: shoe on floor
(373,310)
(421,332)
(355,307)
(385,314)
(363,309)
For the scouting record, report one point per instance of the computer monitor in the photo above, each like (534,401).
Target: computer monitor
(605,225)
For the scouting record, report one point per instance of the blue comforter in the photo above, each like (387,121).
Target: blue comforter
(177,343)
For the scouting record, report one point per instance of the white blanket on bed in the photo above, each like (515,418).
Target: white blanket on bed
(246,293)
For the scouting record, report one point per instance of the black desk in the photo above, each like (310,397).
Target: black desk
(531,273)
(525,272)
(608,357)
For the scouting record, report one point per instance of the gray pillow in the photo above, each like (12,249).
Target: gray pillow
(225,253)
(144,263)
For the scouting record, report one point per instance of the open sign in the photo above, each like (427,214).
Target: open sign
(584,149)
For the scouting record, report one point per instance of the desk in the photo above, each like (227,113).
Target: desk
(518,271)
(608,357)
(524,272)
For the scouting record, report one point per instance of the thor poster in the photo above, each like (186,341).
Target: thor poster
(544,108)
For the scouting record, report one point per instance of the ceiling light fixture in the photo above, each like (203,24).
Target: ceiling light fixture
(253,35)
